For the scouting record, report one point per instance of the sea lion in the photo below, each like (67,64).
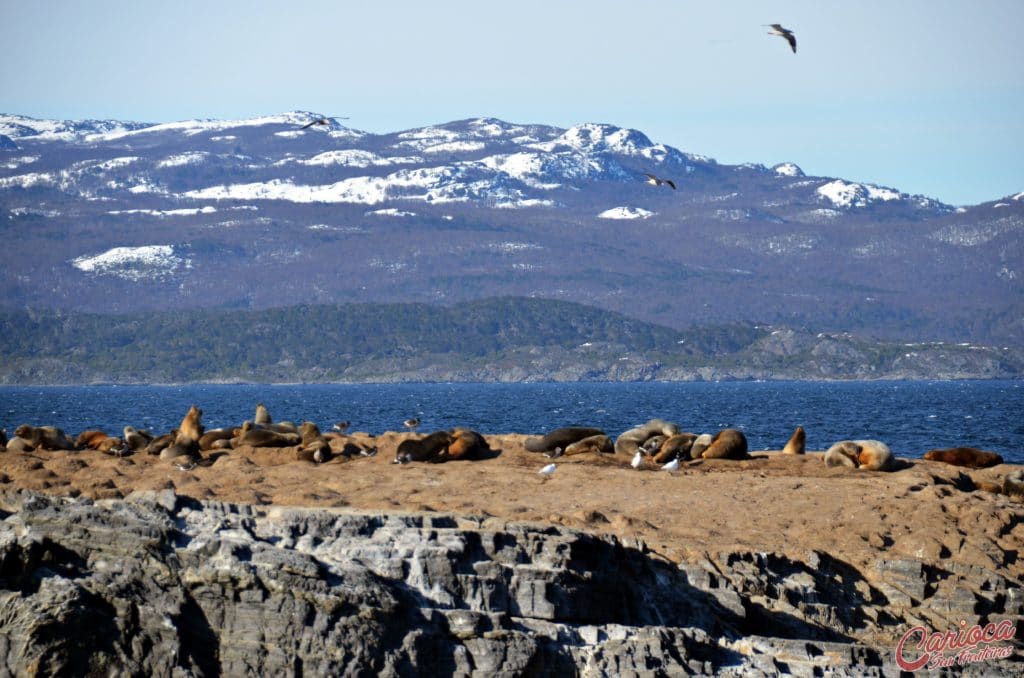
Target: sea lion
(702,443)
(630,441)
(317,451)
(560,437)
(111,445)
(182,447)
(44,437)
(161,443)
(262,415)
(18,444)
(867,455)
(3,439)
(424,449)
(191,426)
(652,444)
(729,443)
(971,457)
(264,437)
(207,440)
(677,446)
(599,443)
(136,440)
(90,439)
(797,442)
(466,444)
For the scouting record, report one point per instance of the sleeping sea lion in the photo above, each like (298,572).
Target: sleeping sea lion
(466,444)
(867,455)
(599,443)
(702,443)
(677,446)
(44,437)
(630,441)
(264,437)
(797,442)
(424,449)
(136,440)
(560,437)
(90,439)
(971,457)
(207,440)
(729,443)
(160,443)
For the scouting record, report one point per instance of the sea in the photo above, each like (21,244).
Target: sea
(912,417)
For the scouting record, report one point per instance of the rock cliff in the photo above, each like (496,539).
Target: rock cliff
(159,584)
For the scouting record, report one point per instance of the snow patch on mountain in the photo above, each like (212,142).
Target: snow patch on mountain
(352,158)
(845,194)
(190,158)
(389,212)
(18,126)
(15,163)
(456,147)
(28,180)
(183,212)
(788,169)
(626,213)
(973,235)
(149,262)
(193,127)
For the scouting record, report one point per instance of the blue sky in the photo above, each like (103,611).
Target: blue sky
(926,96)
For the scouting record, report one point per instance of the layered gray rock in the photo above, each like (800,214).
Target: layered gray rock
(161,585)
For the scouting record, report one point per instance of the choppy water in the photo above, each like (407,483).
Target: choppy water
(912,417)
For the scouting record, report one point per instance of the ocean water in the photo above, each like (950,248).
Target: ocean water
(912,417)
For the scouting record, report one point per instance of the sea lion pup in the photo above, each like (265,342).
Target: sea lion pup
(675,447)
(599,443)
(971,457)
(207,440)
(702,443)
(560,437)
(466,444)
(90,439)
(136,440)
(868,455)
(797,442)
(161,443)
(262,417)
(728,443)
(44,437)
(630,441)
(424,449)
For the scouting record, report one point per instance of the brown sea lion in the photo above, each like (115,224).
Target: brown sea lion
(560,437)
(797,442)
(182,447)
(18,444)
(3,439)
(44,437)
(675,446)
(630,441)
(263,437)
(971,457)
(599,443)
(466,444)
(191,426)
(729,443)
(90,439)
(207,440)
(702,443)
(867,455)
(161,443)
(317,451)
(262,415)
(424,449)
(1013,485)
(115,446)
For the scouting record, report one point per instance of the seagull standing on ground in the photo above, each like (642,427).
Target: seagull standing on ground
(778,30)
(638,459)
(657,181)
(546,472)
(411,424)
(342,426)
(672,466)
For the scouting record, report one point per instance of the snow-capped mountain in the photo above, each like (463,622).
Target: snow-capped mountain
(111,215)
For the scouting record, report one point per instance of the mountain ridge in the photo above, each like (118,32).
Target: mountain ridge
(129,217)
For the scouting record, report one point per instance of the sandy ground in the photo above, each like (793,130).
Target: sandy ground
(774,502)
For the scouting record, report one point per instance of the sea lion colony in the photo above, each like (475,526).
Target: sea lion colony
(657,444)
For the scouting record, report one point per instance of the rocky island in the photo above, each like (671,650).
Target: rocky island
(260,564)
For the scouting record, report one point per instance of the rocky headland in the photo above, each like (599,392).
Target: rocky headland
(257,564)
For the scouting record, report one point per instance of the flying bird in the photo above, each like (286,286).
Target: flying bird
(342,426)
(778,30)
(321,121)
(657,181)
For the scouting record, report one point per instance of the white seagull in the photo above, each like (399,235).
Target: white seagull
(778,30)
(638,459)
(672,466)
(547,471)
